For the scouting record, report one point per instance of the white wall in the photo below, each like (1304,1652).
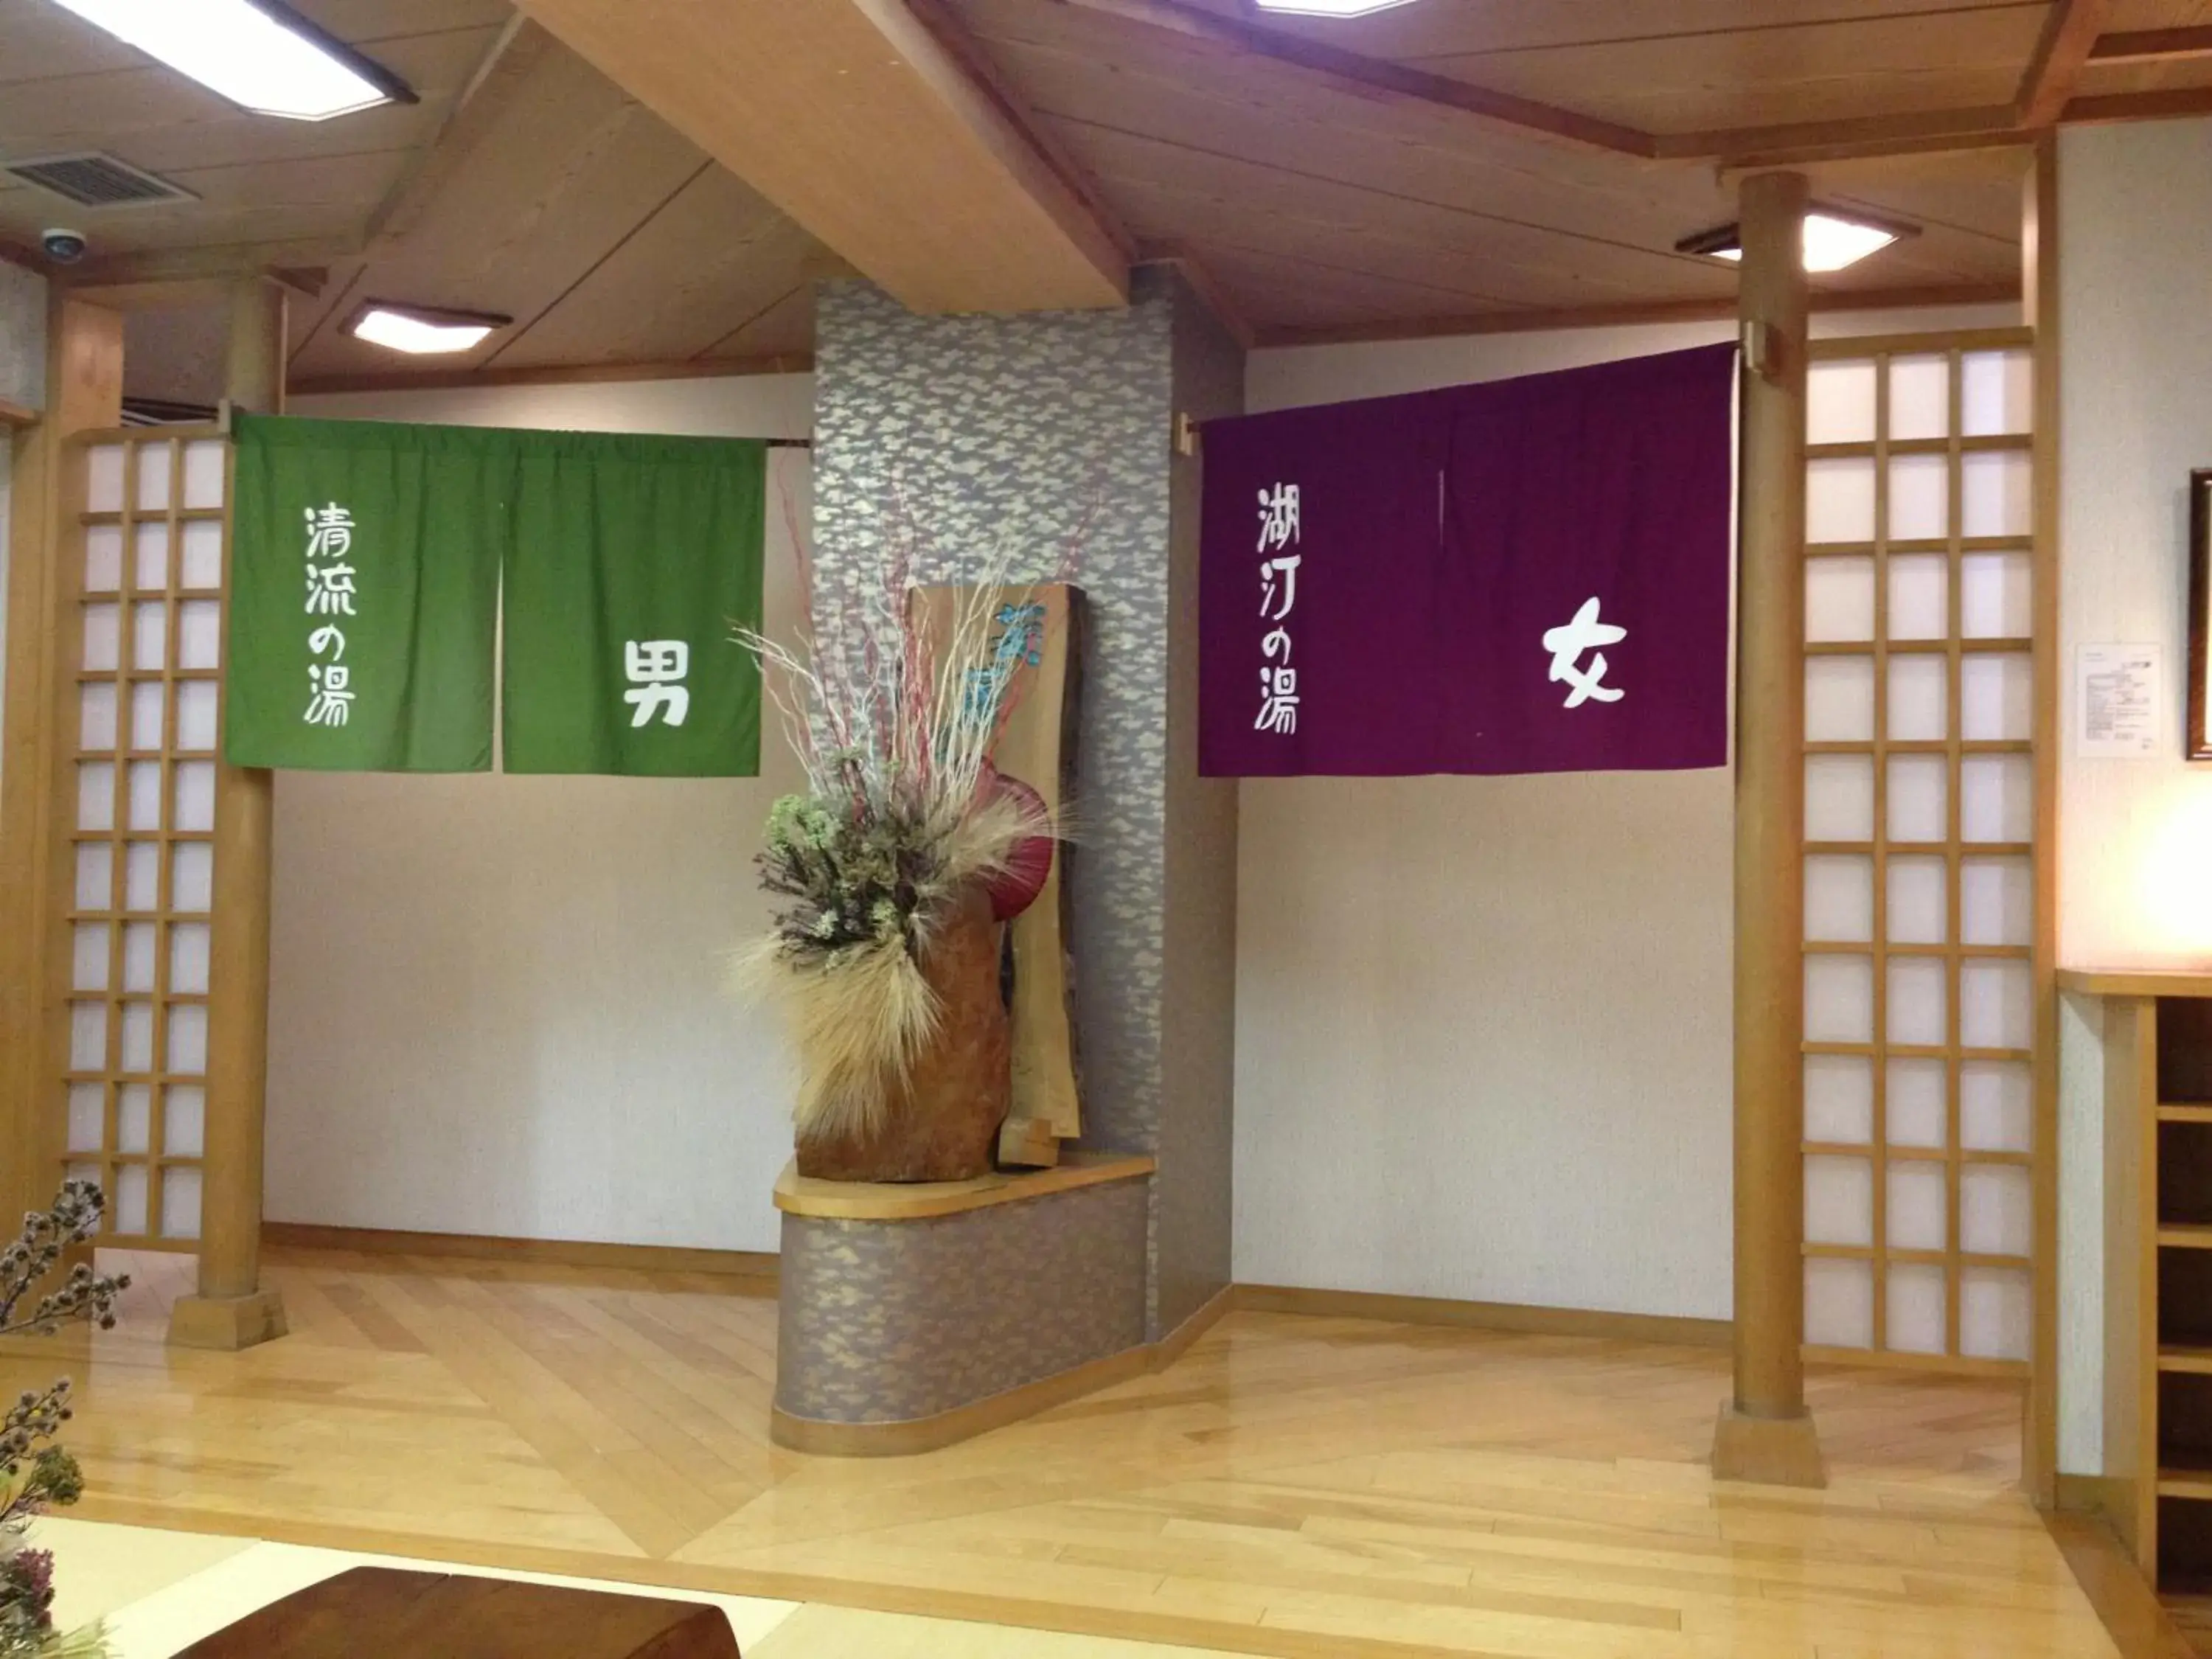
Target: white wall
(1484,1032)
(2135,881)
(497,1003)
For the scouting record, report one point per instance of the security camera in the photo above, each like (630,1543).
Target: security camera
(62,247)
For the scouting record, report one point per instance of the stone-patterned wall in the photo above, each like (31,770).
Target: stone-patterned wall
(22,335)
(885,1321)
(1017,428)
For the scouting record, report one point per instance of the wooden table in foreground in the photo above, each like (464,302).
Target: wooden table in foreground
(370,1613)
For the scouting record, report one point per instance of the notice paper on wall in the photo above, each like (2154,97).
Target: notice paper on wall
(2118,692)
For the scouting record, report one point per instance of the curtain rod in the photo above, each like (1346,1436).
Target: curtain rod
(789,443)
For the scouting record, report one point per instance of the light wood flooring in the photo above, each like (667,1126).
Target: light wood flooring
(1293,1486)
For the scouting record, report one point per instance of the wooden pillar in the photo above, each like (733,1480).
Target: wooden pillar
(1765,1432)
(38,778)
(232,1310)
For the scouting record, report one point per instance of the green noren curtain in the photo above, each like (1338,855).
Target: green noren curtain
(367,565)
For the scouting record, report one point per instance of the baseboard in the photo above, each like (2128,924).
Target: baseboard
(759,1266)
(2122,1597)
(1484,1316)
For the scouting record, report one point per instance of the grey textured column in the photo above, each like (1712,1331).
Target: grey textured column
(1013,429)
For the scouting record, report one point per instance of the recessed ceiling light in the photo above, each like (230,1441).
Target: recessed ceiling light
(421,330)
(260,54)
(1329,7)
(1833,240)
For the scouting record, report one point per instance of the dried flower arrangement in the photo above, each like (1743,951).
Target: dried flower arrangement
(36,1475)
(903,815)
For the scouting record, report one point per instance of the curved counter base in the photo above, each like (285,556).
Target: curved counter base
(910,1317)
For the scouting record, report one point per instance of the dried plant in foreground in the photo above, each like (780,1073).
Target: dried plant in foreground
(35,1475)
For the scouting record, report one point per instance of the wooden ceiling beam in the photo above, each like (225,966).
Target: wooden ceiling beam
(856,119)
(2069,35)
(1367,77)
(2152,46)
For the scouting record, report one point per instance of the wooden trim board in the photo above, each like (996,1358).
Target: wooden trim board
(1484,1316)
(868,1201)
(2118,1592)
(548,1252)
(2136,982)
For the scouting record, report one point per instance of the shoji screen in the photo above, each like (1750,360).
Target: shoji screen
(1921,758)
(148,648)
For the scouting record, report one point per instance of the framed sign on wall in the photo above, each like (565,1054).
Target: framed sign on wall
(2197,740)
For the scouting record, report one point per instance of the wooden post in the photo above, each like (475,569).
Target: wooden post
(38,795)
(1765,1432)
(232,1310)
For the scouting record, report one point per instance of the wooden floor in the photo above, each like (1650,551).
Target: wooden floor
(1294,1485)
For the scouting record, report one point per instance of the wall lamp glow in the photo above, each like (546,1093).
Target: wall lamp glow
(421,330)
(1833,240)
(260,54)
(1328,7)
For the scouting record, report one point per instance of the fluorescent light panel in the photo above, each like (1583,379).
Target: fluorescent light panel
(420,330)
(1329,7)
(263,57)
(1831,242)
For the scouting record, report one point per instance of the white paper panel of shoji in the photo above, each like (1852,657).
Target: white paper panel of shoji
(201,563)
(199,633)
(1997,392)
(1840,1099)
(1996,901)
(1995,1312)
(1997,494)
(1839,500)
(1997,1210)
(1838,1200)
(149,634)
(87,1117)
(96,878)
(1840,599)
(1919,498)
(1839,402)
(137,1043)
(129,1199)
(195,806)
(134,1118)
(87,1037)
(95,795)
(180,1203)
(103,558)
(1997,594)
(153,480)
(103,638)
(1997,797)
(188,957)
(191,876)
(1920,1205)
(1919,1006)
(149,569)
(1840,898)
(1840,1303)
(1919,797)
(1919,398)
(1997,696)
(1997,1106)
(187,1055)
(89,957)
(1996,1003)
(96,716)
(148,706)
(138,956)
(205,460)
(184,1119)
(1919,907)
(142,874)
(1839,699)
(1917,1102)
(197,708)
(1839,798)
(1919,699)
(1919,596)
(104,478)
(1839,999)
(1916,1307)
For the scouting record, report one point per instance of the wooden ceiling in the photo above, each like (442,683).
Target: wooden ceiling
(1446,164)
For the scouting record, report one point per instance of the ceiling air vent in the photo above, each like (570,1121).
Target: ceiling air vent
(93,179)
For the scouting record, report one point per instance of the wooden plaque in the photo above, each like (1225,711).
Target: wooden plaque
(1041,627)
